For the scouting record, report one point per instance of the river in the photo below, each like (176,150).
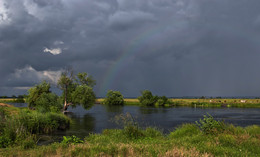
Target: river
(101,117)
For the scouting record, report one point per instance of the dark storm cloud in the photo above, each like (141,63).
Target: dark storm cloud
(174,47)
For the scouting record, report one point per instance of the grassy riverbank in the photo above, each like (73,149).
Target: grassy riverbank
(12,100)
(242,103)
(206,138)
(20,127)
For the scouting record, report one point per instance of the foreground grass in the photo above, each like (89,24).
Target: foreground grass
(20,126)
(187,140)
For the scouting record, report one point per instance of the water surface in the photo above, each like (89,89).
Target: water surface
(100,117)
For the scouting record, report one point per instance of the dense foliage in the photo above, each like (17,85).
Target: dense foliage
(114,98)
(209,125)
(71,140)
(41,98)
(148,99)
(22,126)
(77,89)
(84,95)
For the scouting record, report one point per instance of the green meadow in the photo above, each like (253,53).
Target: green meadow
(242,103)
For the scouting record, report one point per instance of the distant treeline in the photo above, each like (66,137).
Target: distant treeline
(203,97)
(13,96)
(13,99)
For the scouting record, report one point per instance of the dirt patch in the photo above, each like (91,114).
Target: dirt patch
(5,105)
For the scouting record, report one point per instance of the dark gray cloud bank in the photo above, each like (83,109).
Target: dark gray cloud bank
(171,47)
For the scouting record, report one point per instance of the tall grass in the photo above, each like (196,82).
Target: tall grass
(23,127)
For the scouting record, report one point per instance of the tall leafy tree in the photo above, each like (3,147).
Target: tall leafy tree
(65,83)
(77,90)
(85,79)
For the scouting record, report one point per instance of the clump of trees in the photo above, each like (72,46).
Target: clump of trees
(77,90)
(114,98)
(42,99)
(20,99)
(148,99)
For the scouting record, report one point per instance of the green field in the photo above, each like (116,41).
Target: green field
(243,103)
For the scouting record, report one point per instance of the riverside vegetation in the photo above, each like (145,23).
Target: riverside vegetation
(113,98)
(22,127)
(250,103)
(206,137)
(150,100)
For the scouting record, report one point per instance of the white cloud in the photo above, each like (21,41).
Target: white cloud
(4,15)
(42,10)
(55,51)
(53,76)
(30,73)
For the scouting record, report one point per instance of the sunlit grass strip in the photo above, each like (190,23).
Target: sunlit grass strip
(11,100)
(242,103)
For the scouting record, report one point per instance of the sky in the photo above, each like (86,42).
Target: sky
(170,47)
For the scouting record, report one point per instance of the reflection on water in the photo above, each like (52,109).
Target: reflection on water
(81,125)
(152,110)
(163,118)
(99,117)
(115,109)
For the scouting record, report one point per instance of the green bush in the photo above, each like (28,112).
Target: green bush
(131,127)
(209,125)
(20,99)
(71,140)
(185,130)
(20,128)
(133,132)
(152,132)
(47,102)
(148,99)
(42,99)
(114,98)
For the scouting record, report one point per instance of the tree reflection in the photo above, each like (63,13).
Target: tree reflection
(84,125)
(151,110)
(114,109)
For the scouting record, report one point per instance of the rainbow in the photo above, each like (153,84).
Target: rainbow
(132,49)
(136,44)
